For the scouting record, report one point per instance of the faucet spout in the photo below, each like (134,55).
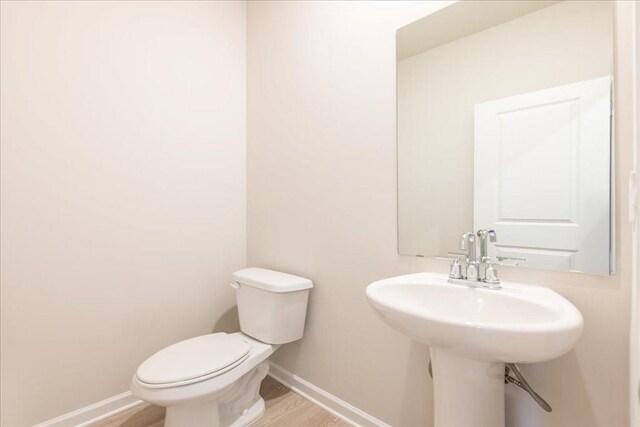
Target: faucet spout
(468,243)
(485,236)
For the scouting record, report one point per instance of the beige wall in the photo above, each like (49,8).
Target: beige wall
(564,43)
(322,203)
(123,190)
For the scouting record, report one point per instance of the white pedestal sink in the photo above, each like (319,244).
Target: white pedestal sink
(472,332)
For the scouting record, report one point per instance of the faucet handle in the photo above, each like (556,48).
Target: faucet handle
(455,268)
(491,275)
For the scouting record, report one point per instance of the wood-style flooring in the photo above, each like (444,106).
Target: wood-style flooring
(284,409)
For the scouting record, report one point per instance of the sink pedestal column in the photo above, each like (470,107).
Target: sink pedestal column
(467,392)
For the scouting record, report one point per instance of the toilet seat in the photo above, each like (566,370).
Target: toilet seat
(193,360)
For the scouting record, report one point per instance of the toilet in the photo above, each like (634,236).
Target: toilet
(213,380)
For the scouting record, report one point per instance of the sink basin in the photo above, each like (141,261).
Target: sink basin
(471,333)
(516,324)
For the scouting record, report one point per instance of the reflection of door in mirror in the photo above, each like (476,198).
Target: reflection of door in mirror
(542,166)
(536,69)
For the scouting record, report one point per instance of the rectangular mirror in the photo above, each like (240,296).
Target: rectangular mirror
(505,123)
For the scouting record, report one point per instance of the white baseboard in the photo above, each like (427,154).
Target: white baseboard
(327,401)
(91,414)
(99,411)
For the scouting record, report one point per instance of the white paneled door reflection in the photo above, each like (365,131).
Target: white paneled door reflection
(542,176)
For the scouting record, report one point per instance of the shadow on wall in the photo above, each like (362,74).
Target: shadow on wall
(521,409)
(228,322)
(417,406)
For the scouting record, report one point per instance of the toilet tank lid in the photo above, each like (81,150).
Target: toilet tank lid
(270,280)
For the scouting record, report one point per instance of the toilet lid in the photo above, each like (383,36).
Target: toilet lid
(194,360)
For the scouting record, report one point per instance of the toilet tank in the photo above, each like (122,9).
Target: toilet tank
(272,306)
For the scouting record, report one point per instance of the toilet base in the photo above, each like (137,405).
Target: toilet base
(251,414)
(238,406)
(203,414)
(207,415)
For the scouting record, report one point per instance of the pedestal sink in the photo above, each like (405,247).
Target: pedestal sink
(472,332)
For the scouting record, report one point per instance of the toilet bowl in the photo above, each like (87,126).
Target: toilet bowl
(213,380)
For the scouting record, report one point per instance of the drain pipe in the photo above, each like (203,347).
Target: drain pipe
(523,384)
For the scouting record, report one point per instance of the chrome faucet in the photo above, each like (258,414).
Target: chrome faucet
(490,273)
(485,237)
(468,243)
(472,274)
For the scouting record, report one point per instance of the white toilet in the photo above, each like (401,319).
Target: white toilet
(213,380)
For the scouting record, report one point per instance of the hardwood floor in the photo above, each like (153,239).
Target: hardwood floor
(144,415)
(288,409)
(284,409)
